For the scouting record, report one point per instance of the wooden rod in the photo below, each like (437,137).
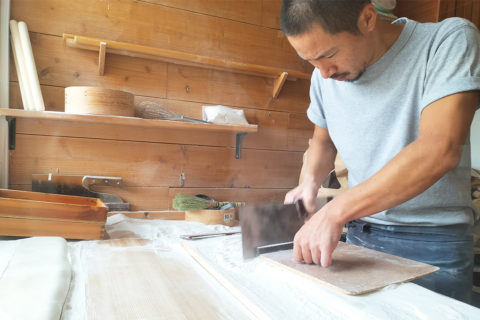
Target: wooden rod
(31,69)
(178,57)
(4,89)
(20,66)
(4,57)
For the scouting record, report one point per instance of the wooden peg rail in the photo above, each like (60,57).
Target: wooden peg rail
(178,57)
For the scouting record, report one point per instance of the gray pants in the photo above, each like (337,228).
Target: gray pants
(448,247)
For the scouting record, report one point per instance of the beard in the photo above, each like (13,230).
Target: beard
(357,77)
(346,74)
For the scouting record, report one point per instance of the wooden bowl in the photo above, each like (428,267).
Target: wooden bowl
(95,100)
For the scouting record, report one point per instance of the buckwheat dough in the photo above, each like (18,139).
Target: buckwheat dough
(34,278)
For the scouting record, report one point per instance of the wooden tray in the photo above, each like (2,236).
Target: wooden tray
(24,213)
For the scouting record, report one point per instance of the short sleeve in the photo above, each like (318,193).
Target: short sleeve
(454,62)
(315,110)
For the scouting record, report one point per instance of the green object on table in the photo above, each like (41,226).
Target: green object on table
(199,202)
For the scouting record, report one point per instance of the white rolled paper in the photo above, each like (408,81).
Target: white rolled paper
(27,98)
(4,61)
(32,75)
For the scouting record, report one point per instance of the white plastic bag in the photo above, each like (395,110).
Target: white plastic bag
(223,115)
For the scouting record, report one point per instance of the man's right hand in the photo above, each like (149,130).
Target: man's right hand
(307,191)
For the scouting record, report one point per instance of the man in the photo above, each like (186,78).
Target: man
(396,100)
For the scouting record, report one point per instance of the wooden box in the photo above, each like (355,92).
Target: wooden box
(24,213)
(227,217)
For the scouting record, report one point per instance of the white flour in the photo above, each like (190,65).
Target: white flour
(279,293)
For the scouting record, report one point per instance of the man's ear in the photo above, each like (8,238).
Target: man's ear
(367,19)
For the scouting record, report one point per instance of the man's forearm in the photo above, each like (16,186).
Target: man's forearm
(412,171)
(320,158)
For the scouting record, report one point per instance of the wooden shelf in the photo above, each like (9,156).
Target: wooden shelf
(125,121)
(103,46)
(239,130)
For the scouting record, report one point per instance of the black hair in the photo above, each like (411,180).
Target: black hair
(334,16)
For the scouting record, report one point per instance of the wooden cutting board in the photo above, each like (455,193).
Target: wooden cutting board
(355,270)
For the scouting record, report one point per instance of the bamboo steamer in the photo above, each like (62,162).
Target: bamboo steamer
(226,217)
(96,100)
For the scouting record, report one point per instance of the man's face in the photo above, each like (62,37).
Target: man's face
(342,57)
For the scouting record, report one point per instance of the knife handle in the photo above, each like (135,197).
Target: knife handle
(302,212)
(207,235)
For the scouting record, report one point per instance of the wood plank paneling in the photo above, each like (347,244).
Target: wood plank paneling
(277,130)
(300,131)
(463,9)
(151,160)
(476,12)
(268,137)
(139,164)
(125,133)
(217,87)
(258,12)
(54,97)
(160,26)
(152,164)
(446,9)
(245,10)
(59,65)
(217,167)
(422,11)
(271,13)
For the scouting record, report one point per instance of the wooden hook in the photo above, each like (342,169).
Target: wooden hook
(101,57)
(278,85)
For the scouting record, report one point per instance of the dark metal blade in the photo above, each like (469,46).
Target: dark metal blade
(274,247)
(265,224)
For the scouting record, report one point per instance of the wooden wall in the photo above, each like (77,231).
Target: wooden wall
(158,163)
(437,10)
(152,161)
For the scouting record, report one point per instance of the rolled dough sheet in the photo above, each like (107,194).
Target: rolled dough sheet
(34,279)
(129,279)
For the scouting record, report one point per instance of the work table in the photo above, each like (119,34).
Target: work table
(145,271)
(246,289)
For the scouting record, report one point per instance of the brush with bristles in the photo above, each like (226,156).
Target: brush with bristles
(188,202)
(152,110)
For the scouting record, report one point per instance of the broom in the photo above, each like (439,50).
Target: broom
(199,202)
(152,110)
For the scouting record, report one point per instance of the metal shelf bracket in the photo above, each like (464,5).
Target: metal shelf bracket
(238,145)
(12,131)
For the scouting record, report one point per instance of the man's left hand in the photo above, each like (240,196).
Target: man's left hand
(318,237)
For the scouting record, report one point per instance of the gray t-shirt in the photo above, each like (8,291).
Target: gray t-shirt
(372,119)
